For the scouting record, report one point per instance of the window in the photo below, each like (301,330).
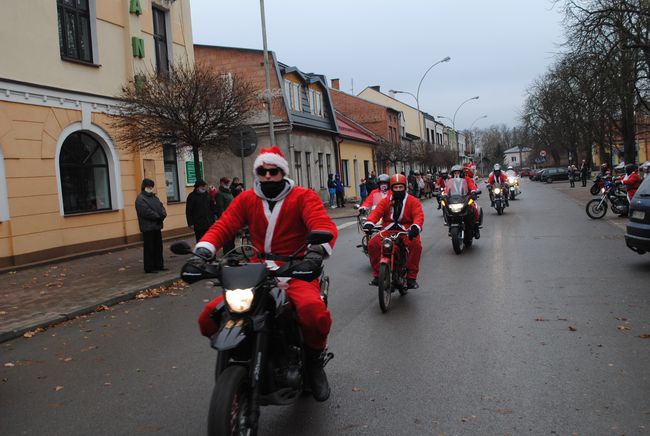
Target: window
(320,170)
(160,40)
(346,172)
(4,200)
(513,158)
(366,169)
(316,103)
(296,94)
(85,180)
(297,157)
(75,29)
(287,92)
(308,161)
(170,159)
(328,159)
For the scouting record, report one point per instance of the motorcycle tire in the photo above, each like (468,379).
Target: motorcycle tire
(456,240)
(499,209)
(385,287)
(468,238)
(594,211)
(512,195)
(594,190)
(325,289)
(229,402)
(364,245)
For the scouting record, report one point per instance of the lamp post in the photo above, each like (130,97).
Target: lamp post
(267,76)
(472,125)
(453,123)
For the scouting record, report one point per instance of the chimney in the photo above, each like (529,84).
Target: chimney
(335,84)
(376,88)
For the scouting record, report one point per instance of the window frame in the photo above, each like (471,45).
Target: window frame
(177,174)
(328,162)
(308,168)
(320,170)
(4,197)
(345,176)
(297,163)
(296,96)
(164,37)
(91,15)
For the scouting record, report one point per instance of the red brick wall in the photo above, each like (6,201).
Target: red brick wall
(246,63)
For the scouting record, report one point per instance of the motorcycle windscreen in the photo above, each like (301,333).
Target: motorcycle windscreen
(456,187)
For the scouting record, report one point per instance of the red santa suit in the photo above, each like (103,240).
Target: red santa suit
(376,195)
(411,213)
(277,230)
(470,169)
(471,186)
(632,183)
(503,179)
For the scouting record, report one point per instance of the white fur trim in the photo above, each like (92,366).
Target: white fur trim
(273,220)
(271,159)
(208,245)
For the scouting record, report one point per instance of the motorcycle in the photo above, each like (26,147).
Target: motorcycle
(498,198)
(367,235)
(513,187)
(612,193)
(460,215)
(392,266)
(599,183)
(261,356)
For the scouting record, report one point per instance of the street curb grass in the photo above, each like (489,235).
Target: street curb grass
(126,296)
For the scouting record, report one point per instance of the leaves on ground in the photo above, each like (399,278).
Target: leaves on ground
(355,389)
(157,292)
(645,336)
(102,308)
(621,318)
(9,365)
(468,418)
(89,348)
(33,333)
(572,328)
(540,318)
(624,327)
(58,388)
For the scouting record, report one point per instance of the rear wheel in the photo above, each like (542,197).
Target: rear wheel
(229,406)
(456,240)
(595,209)
(385,287)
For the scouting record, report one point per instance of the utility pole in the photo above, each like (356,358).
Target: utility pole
(267,76)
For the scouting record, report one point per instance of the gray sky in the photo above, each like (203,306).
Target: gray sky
(497,47)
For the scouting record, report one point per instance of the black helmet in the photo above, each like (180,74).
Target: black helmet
(630,168)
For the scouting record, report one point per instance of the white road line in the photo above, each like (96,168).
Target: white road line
(344,225)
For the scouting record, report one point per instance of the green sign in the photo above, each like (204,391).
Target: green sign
(190,174)
(134,7)
(137,44)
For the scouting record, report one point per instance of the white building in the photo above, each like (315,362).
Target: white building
(514,156)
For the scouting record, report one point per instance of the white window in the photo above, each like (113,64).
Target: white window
(4,200)
(296,96)
(287,91)
(316,103)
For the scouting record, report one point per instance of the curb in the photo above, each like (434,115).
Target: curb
(126,296)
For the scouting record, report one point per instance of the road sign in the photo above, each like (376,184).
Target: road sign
(243,141)
(542,153)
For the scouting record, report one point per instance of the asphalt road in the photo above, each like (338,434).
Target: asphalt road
(534,330)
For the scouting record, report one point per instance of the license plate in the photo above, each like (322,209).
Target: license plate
(638,214)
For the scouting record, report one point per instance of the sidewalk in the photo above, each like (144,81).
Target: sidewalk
(40,296)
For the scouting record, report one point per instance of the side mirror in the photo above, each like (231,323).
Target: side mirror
(479,192)
(356,206)
(317,237)
(181,247)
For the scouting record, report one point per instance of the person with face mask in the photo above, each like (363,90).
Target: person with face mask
(151,214)
(399,211)
(458,173)
(199,209)
(279,216)
(497,176)
(376,195)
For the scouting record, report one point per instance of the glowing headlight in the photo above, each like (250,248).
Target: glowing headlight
(239,300)
(511,180)
(455,208)
(496,191)
(387,243)
(602,190)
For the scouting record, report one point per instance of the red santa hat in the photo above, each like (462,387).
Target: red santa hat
(272,156)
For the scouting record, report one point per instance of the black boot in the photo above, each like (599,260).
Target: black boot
(315,372)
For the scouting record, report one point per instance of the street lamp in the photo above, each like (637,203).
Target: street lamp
(453,122)
(267,76)
(470,129)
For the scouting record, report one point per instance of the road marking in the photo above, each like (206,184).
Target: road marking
(344,225)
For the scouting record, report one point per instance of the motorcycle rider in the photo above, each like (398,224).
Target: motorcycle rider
(497,176)
(400,209)
(440,184)
(279,216)
(376,195)
(632,180)
(458,173)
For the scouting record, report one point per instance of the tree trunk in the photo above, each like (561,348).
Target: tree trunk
(197,162)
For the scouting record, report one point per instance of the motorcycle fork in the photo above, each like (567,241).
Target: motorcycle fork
(258,366)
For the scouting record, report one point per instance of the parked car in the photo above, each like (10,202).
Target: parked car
(525,172)
(549,175)
(534,175)
(637,233)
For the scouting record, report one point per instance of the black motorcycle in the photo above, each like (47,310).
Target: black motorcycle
(261,357)
(612,193)
(499,200)
(462,224)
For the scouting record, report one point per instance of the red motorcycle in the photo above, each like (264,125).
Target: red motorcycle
(392,266)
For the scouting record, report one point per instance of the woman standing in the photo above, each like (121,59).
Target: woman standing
(151,214)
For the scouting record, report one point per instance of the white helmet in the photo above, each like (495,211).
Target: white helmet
(497,167)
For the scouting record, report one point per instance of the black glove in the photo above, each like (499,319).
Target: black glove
(201,257)
(316,253)
(203,253)
(362,210)
(474,195)
(414,231)
(368,227)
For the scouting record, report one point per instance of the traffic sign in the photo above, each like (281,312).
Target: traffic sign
(542,153)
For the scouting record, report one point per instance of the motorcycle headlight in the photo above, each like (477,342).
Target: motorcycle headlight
(387,243)
(239,300)
(455,208)
(497,191)
(602,190)
(511,180)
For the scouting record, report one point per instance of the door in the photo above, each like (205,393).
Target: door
(356,178)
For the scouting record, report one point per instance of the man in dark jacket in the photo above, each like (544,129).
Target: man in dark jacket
(199,209)
(371,182)
(151,214)
(584,172)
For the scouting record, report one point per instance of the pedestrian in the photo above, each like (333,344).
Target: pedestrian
(224,197)
(151,214)
(371,182)
(331,189)
(420,181)
(584,172)
(363,192)
(573,170)
(236,187)
(340,191)
(199,209)
(411,182)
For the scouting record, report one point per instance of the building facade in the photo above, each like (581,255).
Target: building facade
(357,147)
(66,185)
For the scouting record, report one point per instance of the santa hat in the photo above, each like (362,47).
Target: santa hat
(271,156)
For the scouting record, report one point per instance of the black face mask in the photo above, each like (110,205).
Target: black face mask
(272,189)
(399,196)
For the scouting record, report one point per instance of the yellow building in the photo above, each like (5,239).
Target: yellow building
(66,186)
(357,152)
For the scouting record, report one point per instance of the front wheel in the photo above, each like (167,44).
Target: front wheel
(229,405)
(385,287)
(500,209)
(595,209)
(456,240)
(512,195)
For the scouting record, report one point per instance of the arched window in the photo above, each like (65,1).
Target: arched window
(84,172)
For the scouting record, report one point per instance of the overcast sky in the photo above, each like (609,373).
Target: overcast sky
(497,47)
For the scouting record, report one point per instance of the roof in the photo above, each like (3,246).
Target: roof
(515,149)
(348,128)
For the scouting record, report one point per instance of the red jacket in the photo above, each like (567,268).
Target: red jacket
(632,183)
(412,213)
(440,183)
(502,178)
(374,198)
(280,231)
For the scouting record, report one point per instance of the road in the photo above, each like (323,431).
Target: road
(535,330)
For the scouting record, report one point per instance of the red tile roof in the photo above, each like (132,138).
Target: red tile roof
(351,130)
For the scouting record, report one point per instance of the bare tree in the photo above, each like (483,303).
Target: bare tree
(191,106)
(392,152)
